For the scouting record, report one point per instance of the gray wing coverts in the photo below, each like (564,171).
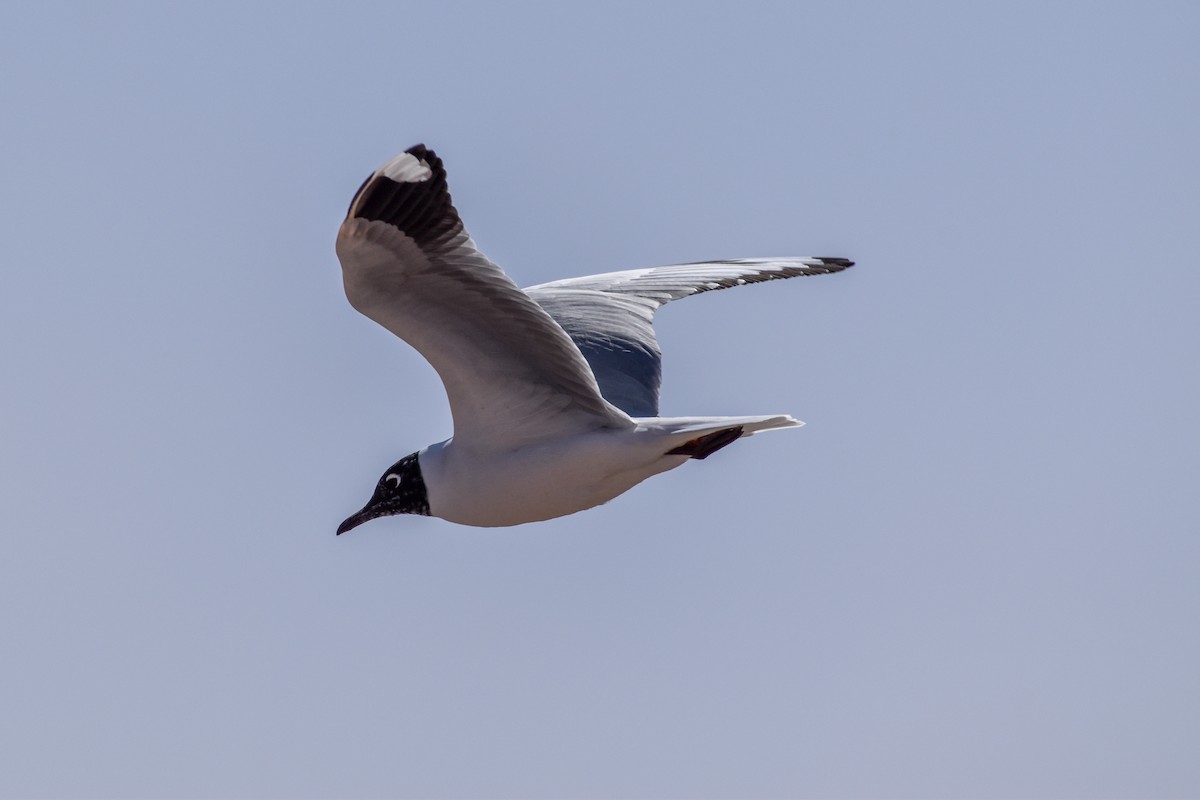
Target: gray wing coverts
(610,317)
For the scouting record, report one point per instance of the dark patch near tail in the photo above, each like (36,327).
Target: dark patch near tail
(704,446)
(421,209)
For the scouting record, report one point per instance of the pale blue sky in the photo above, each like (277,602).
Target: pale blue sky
(976,573)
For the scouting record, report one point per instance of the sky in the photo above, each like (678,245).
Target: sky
(975,573)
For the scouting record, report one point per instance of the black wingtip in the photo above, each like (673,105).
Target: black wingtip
(833,261)
(417,203)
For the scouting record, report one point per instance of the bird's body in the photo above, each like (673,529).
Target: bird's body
(554,389)
(541,481)
(559,476)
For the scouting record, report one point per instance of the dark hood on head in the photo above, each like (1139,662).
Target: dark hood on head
(401,490)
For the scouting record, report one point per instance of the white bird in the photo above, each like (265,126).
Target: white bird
(554,389)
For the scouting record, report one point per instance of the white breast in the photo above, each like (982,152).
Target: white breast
(539,482)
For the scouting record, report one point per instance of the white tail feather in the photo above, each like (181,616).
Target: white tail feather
(691,427)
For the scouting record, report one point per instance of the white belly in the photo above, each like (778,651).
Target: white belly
(541,481)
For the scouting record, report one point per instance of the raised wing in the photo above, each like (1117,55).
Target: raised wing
(511,373)
(610,317)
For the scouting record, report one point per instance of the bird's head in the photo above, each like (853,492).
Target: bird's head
(401,490)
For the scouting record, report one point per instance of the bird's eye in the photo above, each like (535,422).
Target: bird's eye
(393,480)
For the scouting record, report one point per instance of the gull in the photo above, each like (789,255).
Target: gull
(553,389)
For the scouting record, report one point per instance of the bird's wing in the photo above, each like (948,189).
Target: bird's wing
(512,375)
(610,316)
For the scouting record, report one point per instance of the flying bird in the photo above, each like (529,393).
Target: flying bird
(553,389)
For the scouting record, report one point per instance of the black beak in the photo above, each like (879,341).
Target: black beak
(354,520)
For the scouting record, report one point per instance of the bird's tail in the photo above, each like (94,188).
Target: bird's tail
(690,427)
(700,437)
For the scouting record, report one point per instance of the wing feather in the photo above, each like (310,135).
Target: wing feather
(512,374)
(611,316)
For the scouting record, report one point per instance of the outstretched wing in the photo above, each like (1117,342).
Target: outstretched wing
(512,375)
(610,317)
